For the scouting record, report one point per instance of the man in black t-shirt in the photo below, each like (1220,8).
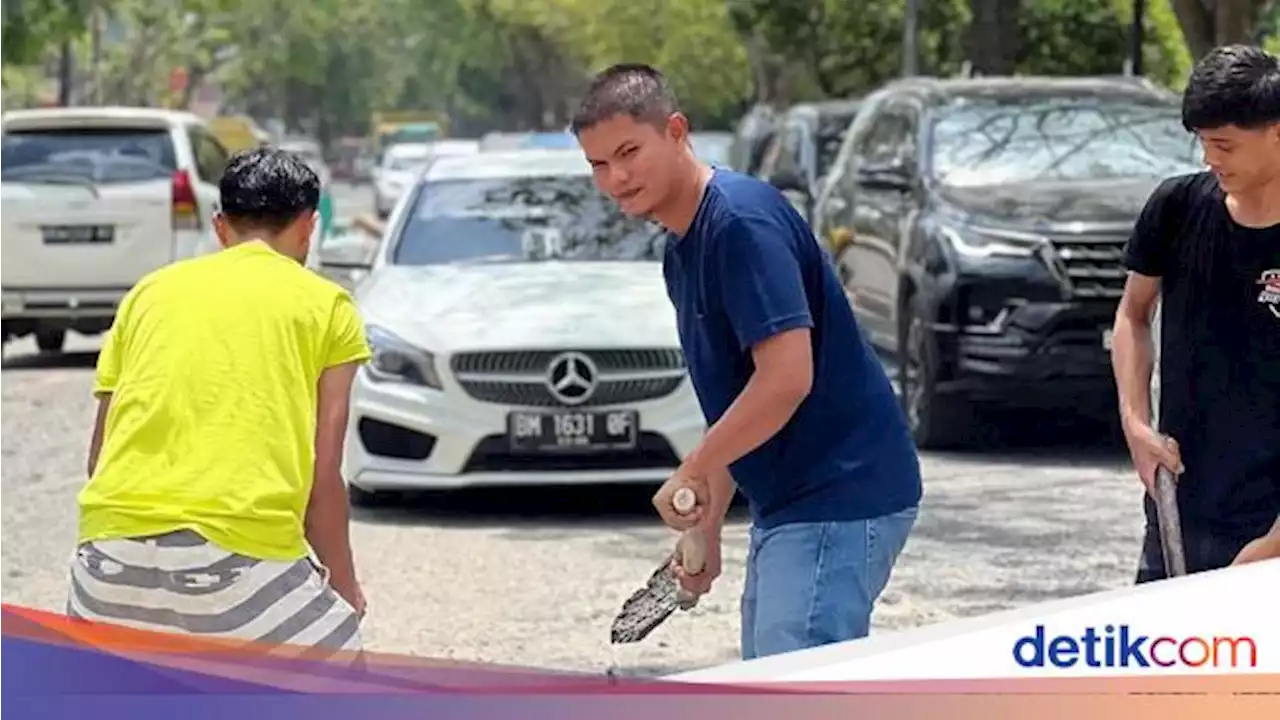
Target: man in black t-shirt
(1207,249)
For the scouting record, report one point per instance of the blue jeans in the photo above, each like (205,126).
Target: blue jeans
(810,584)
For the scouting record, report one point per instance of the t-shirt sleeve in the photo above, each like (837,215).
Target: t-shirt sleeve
(347,341)
(761,285)
(1149,248)
(111,355)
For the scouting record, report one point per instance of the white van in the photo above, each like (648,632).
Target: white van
(93,199)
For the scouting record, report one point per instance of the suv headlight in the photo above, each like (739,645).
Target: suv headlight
(396,360)
(989,242)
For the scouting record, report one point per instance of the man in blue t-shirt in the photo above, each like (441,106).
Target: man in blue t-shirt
(802,418)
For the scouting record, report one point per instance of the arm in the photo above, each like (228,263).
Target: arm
(781,381)
(1266,547)
(721,489)
(99,428)
(107,376)
(327,518)
(1132,352)
(763,293)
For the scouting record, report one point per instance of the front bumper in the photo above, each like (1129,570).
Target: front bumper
(1032,354)
(407,437)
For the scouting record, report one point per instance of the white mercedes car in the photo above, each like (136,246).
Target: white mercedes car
(522,334)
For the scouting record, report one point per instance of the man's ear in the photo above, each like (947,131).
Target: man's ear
(222,228)
(678,126)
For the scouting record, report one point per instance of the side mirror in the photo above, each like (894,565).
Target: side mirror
(789,180)
(885,177)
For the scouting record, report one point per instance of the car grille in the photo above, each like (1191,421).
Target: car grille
(1093,263)
(519,377)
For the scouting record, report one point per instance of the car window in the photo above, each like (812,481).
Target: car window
(832,128)
(96,154)
(211,157)
(771,155)
(987,143)
(792,153)
(526,219)
(890,139)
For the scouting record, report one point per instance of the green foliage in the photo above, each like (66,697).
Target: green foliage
(325,66)
(30,27)
(849,48)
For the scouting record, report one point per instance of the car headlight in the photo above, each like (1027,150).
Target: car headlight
(988,242)
(396,360)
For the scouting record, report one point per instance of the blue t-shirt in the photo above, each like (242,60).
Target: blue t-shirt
(749,268)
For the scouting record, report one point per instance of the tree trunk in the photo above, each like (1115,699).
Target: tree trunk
(1207,24)
(994,36)
(771,73)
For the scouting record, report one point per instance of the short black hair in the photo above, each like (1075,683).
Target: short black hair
(1232,85)
(267,188)
(636,90)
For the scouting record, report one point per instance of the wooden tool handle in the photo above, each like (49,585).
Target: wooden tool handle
(1168,516)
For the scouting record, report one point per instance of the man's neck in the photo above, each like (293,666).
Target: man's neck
(1256,207)
(677,214)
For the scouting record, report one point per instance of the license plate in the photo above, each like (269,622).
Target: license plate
(77,234)
(1106,338)
(573,431)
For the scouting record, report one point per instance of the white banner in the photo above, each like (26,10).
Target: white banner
(1225,621)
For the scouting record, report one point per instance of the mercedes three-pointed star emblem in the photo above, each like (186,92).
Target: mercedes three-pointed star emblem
(571,378)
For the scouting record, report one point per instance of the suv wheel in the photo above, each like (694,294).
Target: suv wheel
(51,341)
(936,421)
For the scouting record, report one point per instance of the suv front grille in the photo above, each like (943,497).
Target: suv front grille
(519,377)
(1092,262)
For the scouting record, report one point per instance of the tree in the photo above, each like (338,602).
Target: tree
(1207,24)
(32,26)
(995,40)
(1091,37)
(847,48)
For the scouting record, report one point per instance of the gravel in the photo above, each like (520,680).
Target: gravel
(533,576)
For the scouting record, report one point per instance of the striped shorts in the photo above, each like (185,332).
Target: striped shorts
(179,582)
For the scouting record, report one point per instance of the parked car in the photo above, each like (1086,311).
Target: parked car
(93,199)
(802,148)
(310,151)
(401,164)
(979,226)
(751,136)
(521,334)
(503,141)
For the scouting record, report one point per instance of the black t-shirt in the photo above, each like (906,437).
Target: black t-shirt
(1219,351)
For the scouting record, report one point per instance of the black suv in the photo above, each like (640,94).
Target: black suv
(979,227)
(799,153)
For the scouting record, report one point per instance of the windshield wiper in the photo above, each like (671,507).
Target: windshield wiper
(486,260)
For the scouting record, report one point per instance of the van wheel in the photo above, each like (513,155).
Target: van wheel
(937,421)
(51,341)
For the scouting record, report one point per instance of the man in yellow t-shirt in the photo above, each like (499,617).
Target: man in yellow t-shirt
(223,391)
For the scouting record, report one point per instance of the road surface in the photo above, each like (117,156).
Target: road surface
(534,576)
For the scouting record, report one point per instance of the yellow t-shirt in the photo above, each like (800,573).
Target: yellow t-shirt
(213,365)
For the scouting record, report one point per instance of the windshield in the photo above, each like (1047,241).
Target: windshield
(522,220)
(1011,142)
(96,155)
